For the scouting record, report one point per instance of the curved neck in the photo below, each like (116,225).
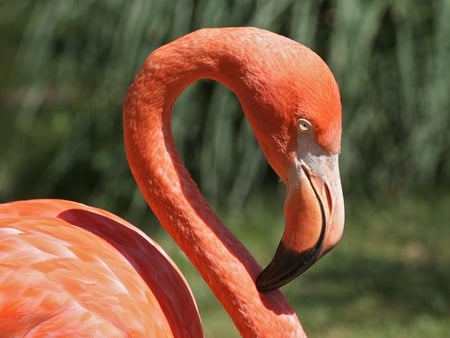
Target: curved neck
(224,263)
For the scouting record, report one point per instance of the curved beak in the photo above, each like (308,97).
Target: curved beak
(314,212)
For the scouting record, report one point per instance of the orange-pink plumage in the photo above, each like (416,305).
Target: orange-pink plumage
(71,269)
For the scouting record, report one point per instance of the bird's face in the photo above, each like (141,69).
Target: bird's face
(314,210)
(299,130)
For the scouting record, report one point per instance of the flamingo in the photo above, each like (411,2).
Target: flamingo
(71,269)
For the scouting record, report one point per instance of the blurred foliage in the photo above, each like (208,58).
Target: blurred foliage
(387,278)
(66,66)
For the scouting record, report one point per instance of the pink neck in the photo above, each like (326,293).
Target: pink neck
(224,263)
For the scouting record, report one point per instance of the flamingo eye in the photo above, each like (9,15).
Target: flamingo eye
(303,125)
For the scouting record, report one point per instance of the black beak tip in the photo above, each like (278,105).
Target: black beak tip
(285,266)
(266,282)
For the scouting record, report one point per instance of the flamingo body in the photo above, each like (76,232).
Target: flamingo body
(75,270)
(67,267)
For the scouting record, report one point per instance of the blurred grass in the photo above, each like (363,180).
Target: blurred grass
(387,278)
(66,66)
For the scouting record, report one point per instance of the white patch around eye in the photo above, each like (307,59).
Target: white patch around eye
(311,154)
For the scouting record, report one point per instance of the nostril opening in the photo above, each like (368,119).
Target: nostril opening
(329,198)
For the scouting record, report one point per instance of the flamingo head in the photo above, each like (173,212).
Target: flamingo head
(295,112)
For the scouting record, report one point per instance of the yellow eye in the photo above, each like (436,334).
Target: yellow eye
(303,125)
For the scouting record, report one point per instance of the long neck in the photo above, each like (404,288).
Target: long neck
(224,263)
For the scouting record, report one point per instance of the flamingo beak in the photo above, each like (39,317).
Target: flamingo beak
(314,212)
